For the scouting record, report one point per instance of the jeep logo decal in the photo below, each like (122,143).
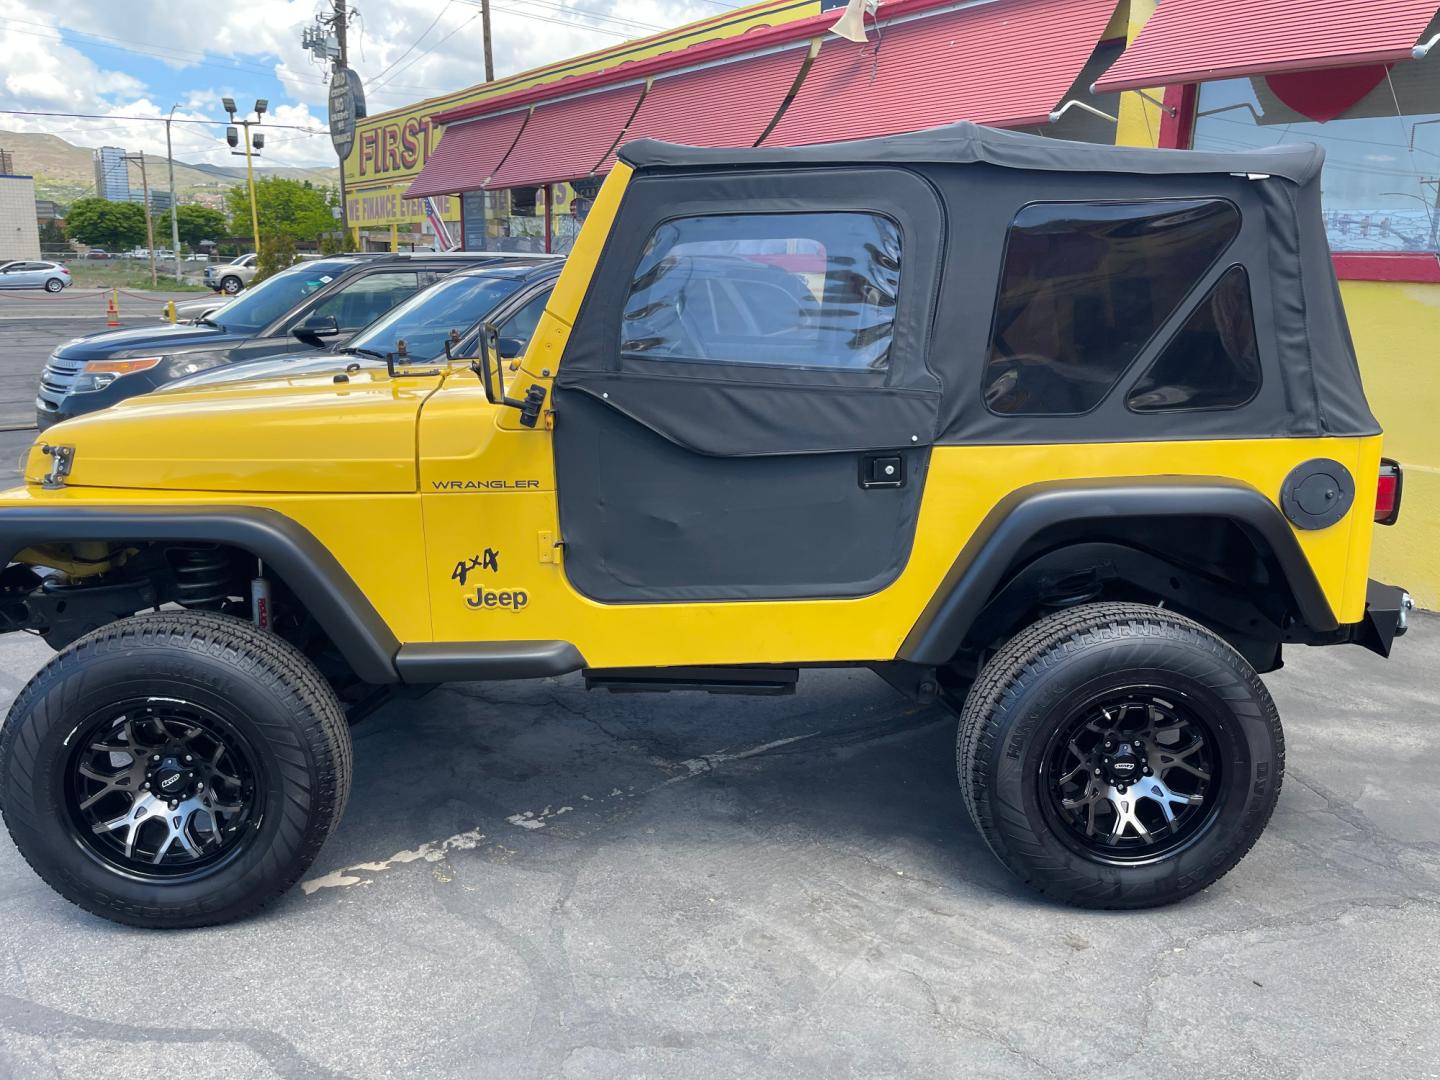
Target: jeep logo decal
(509,599)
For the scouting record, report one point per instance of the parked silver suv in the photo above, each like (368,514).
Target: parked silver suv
(233,276)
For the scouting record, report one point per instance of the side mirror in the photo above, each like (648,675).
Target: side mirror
(317,327)
(492,378)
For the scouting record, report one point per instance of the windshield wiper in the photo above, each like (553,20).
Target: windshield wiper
(205,320)
(363,351)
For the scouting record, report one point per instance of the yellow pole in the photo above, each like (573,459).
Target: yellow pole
(394,237)
(250,177)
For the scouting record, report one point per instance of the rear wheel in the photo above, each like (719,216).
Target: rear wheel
(1119,756)
(174,770)
(54,285)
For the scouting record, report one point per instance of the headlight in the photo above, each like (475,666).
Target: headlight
(98,374)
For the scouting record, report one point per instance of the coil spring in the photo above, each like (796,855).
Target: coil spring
(203,575)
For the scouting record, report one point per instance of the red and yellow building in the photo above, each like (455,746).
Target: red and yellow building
(515,162)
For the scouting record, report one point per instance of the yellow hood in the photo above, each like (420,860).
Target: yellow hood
(307,434)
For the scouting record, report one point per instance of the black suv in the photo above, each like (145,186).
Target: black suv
(312,306)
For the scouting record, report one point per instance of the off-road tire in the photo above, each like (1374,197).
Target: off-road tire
(268,691)
(1020,702)
(231,285)
(54,285)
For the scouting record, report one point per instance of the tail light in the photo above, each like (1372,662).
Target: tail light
(1387,493)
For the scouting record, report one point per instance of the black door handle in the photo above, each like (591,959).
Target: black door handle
(882,471)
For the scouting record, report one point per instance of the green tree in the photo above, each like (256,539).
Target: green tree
(197,223)
(51,235)
(290,208)
(277,251)
(101,223)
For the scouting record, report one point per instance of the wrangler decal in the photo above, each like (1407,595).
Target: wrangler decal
(484,485)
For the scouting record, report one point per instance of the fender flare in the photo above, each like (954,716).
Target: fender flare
(981,566)
(305,565)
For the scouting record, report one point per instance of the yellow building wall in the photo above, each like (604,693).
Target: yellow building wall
(1396,328)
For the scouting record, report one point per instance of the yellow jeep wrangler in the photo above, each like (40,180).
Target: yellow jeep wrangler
(1071,437)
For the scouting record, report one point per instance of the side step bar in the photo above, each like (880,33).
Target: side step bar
(713,680)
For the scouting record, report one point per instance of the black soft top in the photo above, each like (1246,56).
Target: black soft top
(954,192)
(967,143)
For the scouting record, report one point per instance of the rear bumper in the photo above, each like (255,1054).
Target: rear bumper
(1387,617)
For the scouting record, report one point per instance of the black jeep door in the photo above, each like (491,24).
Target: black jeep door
(744,409)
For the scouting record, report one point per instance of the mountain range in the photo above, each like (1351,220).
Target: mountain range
(65,172)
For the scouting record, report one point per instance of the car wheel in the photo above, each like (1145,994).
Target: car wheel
(174,769)
(1119,756)
(54,285)
(231,285)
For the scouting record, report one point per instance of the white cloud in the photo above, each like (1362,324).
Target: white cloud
(233,48)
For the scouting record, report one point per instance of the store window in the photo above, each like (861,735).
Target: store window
(794,290)
(1380,127)
(1213,361)
(1085,286)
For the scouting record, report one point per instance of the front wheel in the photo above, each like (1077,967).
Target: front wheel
(174,769)
(231,285)
(1119,756)
(54,285)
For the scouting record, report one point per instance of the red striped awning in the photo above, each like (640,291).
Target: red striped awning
(1195,40)
(1006,63)
(729,104)
(467,154)
(568,139)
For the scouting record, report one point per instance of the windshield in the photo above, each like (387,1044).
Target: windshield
(262,304)
(423,321)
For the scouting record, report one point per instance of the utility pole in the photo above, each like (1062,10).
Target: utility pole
(485,33)
(342,63)
(174,220)
(149,221)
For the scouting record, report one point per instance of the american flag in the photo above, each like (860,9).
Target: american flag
(443,240)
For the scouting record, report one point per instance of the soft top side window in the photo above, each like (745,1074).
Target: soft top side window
(1085,286)
(807,290)
(1213,361)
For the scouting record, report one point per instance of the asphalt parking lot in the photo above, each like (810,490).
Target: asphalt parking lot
(533,881)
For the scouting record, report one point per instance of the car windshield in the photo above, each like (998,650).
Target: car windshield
(262,304)
(423,321)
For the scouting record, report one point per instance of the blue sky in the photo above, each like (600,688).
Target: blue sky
(123,58)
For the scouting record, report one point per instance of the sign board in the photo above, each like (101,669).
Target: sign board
(347,105)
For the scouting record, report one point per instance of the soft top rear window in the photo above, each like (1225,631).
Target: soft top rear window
(1085,286)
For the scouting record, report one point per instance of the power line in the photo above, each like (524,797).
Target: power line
(149,119)
(438,16)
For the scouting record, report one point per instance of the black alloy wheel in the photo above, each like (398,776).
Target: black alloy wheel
(1133,776)
(163,789)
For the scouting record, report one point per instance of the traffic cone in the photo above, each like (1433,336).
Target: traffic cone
(112,309)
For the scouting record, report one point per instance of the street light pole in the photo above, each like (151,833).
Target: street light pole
(228,104)
(174,219)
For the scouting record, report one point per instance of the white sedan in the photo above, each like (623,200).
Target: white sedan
(50,276)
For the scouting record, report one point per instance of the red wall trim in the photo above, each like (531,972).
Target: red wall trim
(1177,132)
(1387,266)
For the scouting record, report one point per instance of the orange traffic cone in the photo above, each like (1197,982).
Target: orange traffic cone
(112,309)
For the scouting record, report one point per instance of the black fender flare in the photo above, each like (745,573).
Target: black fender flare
(305,565)
(989,553)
